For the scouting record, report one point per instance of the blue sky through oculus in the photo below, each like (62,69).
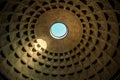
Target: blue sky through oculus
(58,30)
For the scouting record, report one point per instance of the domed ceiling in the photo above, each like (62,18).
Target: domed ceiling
(89,51)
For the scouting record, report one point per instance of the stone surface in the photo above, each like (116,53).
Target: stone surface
(90,51)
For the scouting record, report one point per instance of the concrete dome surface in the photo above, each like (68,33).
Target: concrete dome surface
(89,50)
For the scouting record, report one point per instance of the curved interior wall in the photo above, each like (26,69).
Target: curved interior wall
(90,51)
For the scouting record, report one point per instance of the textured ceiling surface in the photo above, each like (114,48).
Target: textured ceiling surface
(90,51)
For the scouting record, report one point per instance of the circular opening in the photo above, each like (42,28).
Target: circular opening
(58,30)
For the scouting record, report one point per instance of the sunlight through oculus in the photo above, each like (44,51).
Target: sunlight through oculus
(58,30)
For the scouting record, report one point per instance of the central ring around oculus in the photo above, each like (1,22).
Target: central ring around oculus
(58,30)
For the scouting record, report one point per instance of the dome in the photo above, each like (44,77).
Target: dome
(59,39)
